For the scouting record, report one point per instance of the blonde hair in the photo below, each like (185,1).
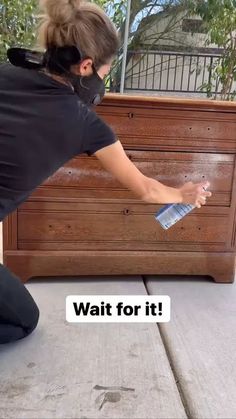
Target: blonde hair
(78,23)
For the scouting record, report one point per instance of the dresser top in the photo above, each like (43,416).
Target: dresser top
(167,102)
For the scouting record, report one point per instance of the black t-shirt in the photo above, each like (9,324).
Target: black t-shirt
(43,124)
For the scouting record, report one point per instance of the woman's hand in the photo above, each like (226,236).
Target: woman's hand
(195,193)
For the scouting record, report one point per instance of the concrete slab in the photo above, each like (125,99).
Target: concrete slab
(201,342)
(87,370)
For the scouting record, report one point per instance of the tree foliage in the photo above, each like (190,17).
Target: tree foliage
(220,19)
(17,24)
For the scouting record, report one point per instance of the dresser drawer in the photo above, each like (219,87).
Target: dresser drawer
(115,226)
(175,129)
(85,177)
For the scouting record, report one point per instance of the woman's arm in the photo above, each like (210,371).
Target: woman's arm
(114,159)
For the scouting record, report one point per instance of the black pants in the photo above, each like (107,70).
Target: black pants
(19,313)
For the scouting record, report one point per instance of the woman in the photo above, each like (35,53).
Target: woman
(46,119)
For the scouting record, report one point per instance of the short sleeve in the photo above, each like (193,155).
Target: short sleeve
(97,134)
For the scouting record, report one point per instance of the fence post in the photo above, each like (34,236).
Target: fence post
(125,47)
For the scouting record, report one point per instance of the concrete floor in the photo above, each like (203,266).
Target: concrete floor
(182,369)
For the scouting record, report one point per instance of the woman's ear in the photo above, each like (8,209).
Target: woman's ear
(84,68)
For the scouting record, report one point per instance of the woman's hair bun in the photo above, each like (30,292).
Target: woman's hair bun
(60,11)
(78,23)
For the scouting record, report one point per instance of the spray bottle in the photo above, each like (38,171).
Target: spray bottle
(172,213)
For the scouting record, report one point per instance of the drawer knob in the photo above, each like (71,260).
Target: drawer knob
(130,115)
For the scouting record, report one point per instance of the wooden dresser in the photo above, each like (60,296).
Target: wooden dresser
(81,221)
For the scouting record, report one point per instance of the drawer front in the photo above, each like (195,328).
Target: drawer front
(96,226)
(172,129)
(84,176)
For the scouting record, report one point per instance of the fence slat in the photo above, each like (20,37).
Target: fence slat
(154,63)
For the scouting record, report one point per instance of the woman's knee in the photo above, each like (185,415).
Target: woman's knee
(19,313)
(20,308)
(30,324)
(11,332)
(33,317)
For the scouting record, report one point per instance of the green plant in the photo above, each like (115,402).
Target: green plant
(220,18)
(17,24)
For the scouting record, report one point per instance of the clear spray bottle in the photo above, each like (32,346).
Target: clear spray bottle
(172,213)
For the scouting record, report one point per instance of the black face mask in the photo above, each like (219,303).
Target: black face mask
(90,89)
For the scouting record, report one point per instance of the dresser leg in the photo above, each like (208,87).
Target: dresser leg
(226,273)
(223,278)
